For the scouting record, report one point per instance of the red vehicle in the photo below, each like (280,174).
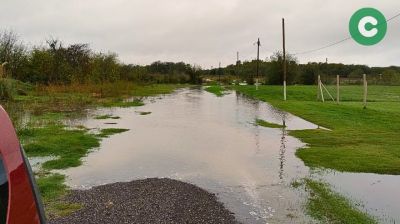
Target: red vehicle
(20,201)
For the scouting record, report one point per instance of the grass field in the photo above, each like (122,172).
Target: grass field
(360,140)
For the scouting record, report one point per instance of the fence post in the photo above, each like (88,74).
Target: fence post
(365,90)
(318,91)
(320,88)
(337,89)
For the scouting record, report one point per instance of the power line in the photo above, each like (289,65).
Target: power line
(338,42)
(324,47)
(393,17)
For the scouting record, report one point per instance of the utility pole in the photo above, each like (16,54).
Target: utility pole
(284,59)
(258,55)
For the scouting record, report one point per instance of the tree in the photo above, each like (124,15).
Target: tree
(275,74)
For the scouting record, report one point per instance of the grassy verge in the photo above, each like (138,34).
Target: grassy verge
(216,89)
(360,140)
(330,207)
(267,124)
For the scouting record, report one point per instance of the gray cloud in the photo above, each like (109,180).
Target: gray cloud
(202,32)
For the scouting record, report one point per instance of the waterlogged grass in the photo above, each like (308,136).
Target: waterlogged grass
(329,207)
(267,124)
(106,116)
(104,133)
(216,89)
(77,97)
(121,103)
(68,145)
(360,140)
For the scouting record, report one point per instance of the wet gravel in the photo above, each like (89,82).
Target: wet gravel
(151,200)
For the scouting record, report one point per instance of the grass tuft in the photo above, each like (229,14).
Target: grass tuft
(267,124)
(104,133)
(106,116)
(217,90)
(134,103)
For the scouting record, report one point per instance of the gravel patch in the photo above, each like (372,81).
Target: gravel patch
(151,200)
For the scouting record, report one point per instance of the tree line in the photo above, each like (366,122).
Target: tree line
(56,63)
(271,71)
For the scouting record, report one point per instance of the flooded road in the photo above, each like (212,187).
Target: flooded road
(212,142)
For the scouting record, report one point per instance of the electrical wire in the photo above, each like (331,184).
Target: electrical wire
(338,42)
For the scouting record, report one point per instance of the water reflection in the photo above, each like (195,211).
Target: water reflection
(282,151)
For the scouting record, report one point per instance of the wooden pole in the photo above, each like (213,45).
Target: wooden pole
(365,90)
(337,89)
(258,56)
(284,59)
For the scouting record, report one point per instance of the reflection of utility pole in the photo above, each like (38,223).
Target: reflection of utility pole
(282,149)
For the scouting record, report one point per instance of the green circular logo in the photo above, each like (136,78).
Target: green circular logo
(368,26)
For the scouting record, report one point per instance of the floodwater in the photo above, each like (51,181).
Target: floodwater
(212,142)
(379,195)
(209,141)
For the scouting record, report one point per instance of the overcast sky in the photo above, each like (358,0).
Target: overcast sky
(203,32)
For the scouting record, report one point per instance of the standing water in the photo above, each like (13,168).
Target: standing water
(209,141)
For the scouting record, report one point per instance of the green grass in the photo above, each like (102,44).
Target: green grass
(216,89)
(52,190)
(107,132)
(121,103)
(68,145)
(106,116)
(52,186)
(360,140)
(267,124)
(329,207)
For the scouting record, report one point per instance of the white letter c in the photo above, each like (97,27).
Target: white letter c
(364,21)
